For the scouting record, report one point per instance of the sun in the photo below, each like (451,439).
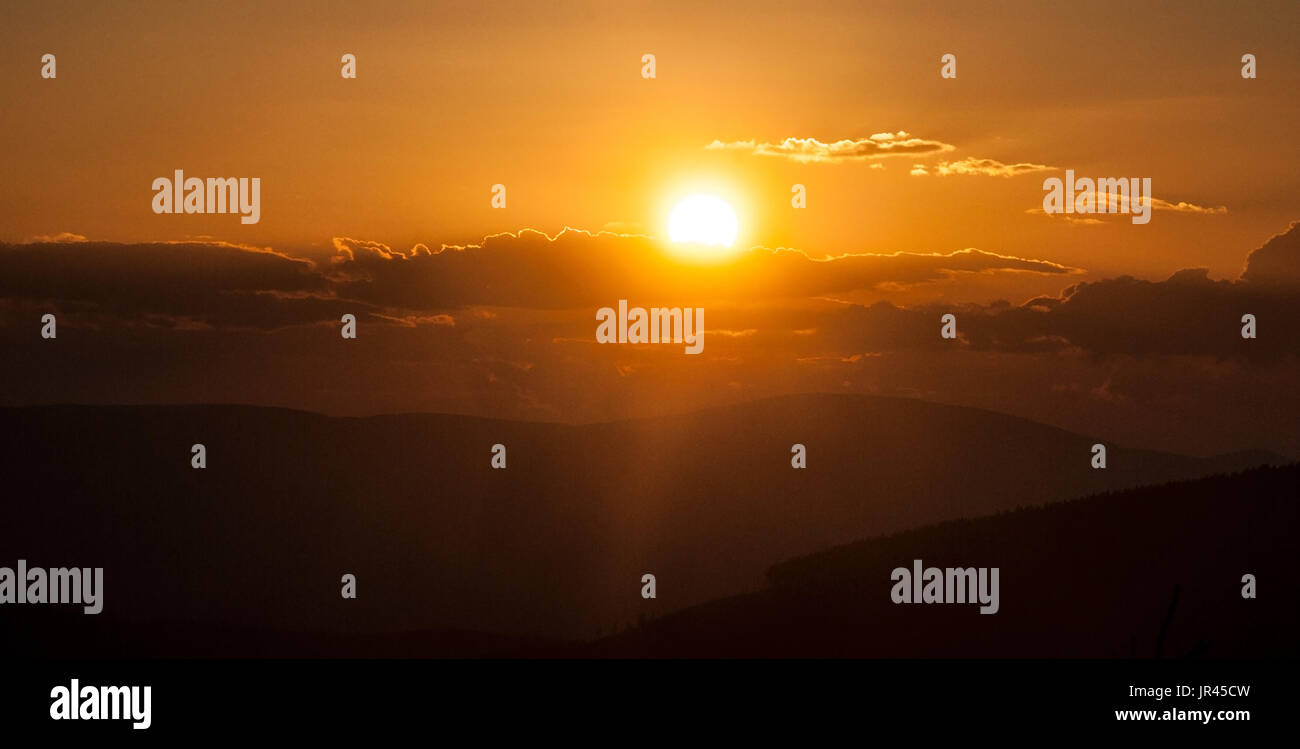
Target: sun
(703,220)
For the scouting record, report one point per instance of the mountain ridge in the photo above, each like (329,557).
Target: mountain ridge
(554,545)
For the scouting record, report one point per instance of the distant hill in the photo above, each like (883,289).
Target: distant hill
(1089,578)
(554,545)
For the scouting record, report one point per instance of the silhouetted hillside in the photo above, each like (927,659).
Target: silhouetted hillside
(1089,578)
(554,545)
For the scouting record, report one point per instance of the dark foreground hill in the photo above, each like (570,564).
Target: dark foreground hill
(552,546)
(1151,572)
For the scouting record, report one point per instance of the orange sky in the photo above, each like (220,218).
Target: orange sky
(452,98)
(364,181)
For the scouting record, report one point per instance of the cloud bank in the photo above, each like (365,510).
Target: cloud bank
(505,328)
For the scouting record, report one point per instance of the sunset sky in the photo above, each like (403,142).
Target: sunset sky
(364,181)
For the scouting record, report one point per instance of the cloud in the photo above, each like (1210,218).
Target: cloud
(170,284)
(411,321)
(549,285)
(1181,207)
(1277,263)
(196,285)
(61,237)
(980,167)
(1187,314)
(806,150)
(1120,207)
(577,268)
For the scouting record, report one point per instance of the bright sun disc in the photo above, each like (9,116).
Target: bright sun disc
(703,219)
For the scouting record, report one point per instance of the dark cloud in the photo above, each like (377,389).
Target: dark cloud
(171,284)
(577,269)
(196,285)
(1277,263)
(1187,314)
